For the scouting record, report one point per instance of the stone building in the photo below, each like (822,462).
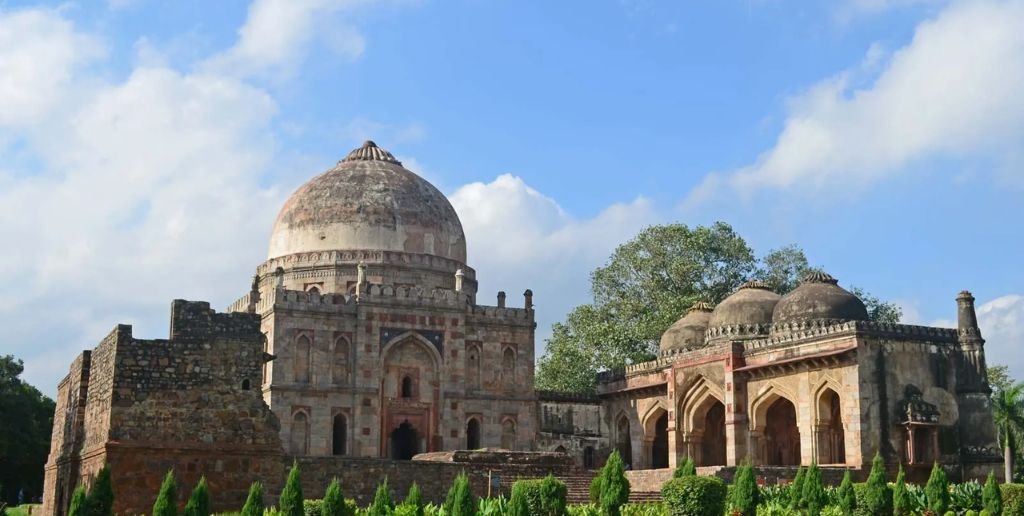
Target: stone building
(361,340)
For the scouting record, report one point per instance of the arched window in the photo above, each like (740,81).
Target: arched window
(407,387)
(588,457)
(301,359)
(830,435)
(339,372)
(266,364)
(623,441)
(473,366)
(339,435)
(299,444)
(473,434)
(508,434)
(245,384)
(508,367)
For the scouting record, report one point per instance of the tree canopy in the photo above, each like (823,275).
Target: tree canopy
(25,431)
(649,282)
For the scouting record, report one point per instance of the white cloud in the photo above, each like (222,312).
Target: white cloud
(953,91)
(39,54)
(277,34)
(518,238)
(1002,324)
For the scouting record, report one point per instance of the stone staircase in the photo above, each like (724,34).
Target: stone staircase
(578,486)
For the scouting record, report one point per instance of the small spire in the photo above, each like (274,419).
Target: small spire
(701,306)
(819,277)
(369,151)
(755,284)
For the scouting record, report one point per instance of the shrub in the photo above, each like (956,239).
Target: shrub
(694,496)
(937,490)
(199,501)
(812,496)
(518,504)
(847,498)
(643,509)
(333,503)
(614,485)
(877,497)
(460,501)
(745,495)
(900,498)
(382,504)
(1013,498)
(552,495)
(312,507)
(796,489)
(79,503)
(101,496)
(254,502)
(991,497)
(970,513)
(966,495)
(166,500)
(685,468)
(596,486)
(984,512)
(414,499)
(290,503)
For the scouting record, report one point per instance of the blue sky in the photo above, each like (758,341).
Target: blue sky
(148,145)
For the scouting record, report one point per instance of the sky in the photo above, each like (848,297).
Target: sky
(146,146)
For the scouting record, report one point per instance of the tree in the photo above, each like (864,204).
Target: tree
(877,495)
(101,496)
(813,497)
(937,490)
(254,502)
(167,500)
(847,495)
(614,485)
(79,502)
(745,493)
(999,377)
(685,469)
(796,489)
(460,500)
(25,433)
(199,501)
(901,505)
(334,502)
(290,503)
(991,497)
(1008,414)
(382,504)
(645,286)
(518,505)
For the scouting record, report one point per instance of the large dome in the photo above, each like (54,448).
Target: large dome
(688,332)
(819,297)
(752,304)
(368,201)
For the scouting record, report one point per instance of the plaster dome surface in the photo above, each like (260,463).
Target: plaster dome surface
(368,201)
(752,303)
(688,332)
(819,297)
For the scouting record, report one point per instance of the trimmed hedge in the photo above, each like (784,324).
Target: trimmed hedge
(544,497)
(695,496)
(1013,498)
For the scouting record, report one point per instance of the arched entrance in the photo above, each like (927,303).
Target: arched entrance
(622,441)
(830,436)
(713,442)
(782,438)
(473,434)
(659,447)
(339,435)
(405,442)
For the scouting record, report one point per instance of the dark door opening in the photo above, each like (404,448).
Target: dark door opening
(659,448)
(405,442)
(473,435)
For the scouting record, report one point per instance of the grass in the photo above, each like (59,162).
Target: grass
(22,510)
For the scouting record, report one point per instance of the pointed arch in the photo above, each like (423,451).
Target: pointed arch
(774,420)
(301,356)
(339,434)
(299,435)
(829,426)
(473,433)
(340,362)
(508,366)
(624,437)
(508,433)
(699,398)
(473,365)
(411,336)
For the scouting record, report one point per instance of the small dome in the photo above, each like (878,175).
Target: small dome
(368,201)
(819,297)
(751,304)
(688,332)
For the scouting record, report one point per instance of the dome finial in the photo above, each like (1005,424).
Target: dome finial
(819,277)
(369,151)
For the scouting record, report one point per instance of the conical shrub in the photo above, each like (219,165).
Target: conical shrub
(813,497)
(167,499)
(796,489)
(877,496)
(901,504)
(334,502)
(414,499)
(199,501)
(847,495)
(79,502)
(685,468)
(460,500)
(254,502)
(745,493)
(101,496)
(290,503)
(382,504)
(518,505)
(614,485)
(937,490)
(992,498)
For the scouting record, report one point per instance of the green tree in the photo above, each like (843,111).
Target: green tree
(877,495)
(796,489)
(847,495)
(382,504)
(334,502)
(813,497)
(415,499)
(685,468)
(254,502)
(614,485)
(647,283)
(199,500)
(101,496)
(745,493)
(1008,414)
(937,490)
(290,503)
(79,502)
(167,500)
(518,504)
(901,505)
(25,433)
(460,500)
(991,497)
(999,377)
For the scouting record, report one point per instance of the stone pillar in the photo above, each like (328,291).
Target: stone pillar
(501,299)
(360,279)
(737,433)
(459,275)
(528,299)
